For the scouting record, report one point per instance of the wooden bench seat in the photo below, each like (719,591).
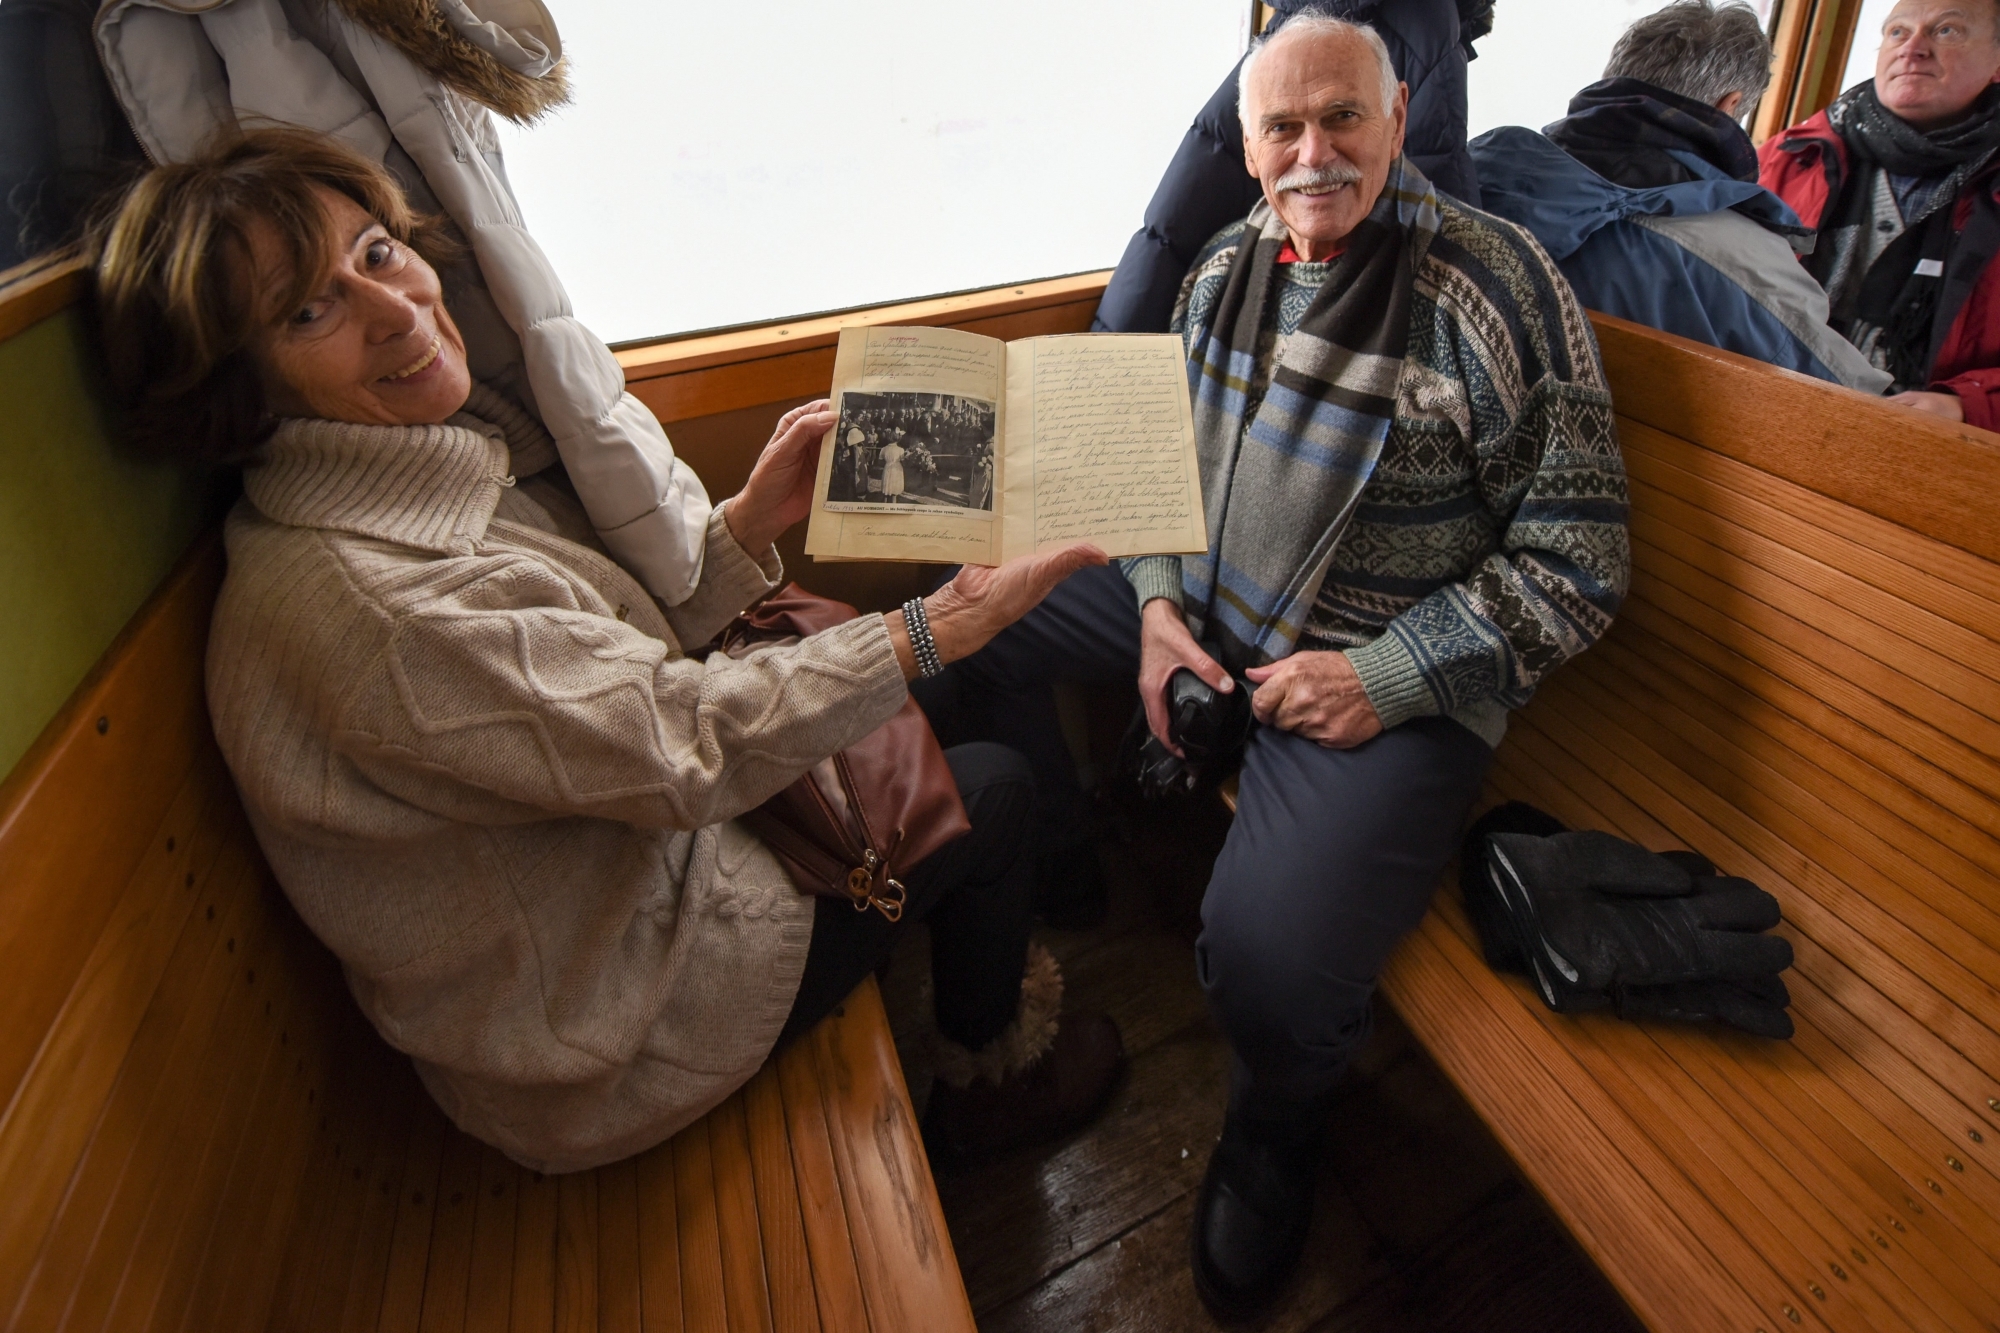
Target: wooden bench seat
(1805,686)
(201,1133)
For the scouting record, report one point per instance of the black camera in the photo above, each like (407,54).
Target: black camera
(1209,726)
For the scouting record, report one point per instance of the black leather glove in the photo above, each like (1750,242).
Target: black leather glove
(1476,878)
(1209,726)
(1594,921)
(1485,902)
(1756,1006)
(1602,912)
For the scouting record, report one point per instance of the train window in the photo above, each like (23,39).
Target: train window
(1541,51)
(722,164)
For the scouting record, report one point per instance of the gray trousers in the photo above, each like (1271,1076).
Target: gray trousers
(1331,860)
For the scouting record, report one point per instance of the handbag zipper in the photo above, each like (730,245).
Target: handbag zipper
(861,879)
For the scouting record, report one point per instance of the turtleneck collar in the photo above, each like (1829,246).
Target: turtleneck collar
(534,448)
(430,487)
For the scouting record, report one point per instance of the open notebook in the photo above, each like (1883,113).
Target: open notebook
(952,447)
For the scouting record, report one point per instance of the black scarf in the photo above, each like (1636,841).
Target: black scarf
(1623,129)
(1879,136)
(1913,308)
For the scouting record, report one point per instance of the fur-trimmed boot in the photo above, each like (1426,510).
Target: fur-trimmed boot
(1045,1074)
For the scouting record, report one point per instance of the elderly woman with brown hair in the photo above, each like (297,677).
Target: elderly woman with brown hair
(476,752)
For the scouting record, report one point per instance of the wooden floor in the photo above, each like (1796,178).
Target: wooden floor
(1422,1223)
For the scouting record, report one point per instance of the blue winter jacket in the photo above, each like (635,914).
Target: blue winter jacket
(1708,259)
(1207,187)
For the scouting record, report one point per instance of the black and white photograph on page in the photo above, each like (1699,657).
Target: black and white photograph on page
(896,451)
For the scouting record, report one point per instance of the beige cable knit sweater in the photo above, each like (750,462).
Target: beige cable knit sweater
(491,781)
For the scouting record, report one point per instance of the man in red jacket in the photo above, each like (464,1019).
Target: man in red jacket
(1901,176)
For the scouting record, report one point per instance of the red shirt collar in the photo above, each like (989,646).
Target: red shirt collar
(1291,256)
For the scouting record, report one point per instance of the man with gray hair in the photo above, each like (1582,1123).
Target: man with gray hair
(1646,195)
(1416,511)
(1713,64)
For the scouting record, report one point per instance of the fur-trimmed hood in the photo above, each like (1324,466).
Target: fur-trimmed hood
(502,54)
(511,62)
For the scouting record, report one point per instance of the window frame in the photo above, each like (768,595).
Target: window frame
(1811,40)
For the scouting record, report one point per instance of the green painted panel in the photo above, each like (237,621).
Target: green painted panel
(86,531)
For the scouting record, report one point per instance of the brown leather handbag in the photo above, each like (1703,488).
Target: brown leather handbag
(869,813)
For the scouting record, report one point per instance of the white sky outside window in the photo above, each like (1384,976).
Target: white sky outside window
(722,164)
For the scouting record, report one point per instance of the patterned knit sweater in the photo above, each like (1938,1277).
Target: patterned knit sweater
(1490,543)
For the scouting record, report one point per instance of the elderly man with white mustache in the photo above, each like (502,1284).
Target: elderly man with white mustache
(1416,511)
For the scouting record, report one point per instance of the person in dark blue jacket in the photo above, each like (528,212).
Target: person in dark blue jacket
(1646,196)
(1207,187)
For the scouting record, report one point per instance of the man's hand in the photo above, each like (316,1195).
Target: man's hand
(779,492)
(1316,695)
(1165,646)
(1945,405)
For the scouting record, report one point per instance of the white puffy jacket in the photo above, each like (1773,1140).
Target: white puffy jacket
(185,69)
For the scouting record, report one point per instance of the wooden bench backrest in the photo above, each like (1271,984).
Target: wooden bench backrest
(165,1036)
(1805,686)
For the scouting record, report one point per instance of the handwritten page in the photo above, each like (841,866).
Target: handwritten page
(913,467)
(937,359)
(1101,446)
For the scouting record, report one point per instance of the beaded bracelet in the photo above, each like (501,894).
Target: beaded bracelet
(921,643)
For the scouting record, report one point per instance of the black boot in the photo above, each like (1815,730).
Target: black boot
(1254,1210)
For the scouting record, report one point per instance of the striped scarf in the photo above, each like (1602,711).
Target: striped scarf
(1280,477)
